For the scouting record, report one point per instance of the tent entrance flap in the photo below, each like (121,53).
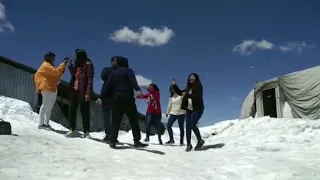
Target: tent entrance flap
(269,102)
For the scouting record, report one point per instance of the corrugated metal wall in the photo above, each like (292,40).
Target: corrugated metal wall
(58,116)
(17,83)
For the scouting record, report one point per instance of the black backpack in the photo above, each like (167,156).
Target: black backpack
(5,127)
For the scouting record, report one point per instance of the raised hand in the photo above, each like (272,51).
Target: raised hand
(66,59)
(173,82)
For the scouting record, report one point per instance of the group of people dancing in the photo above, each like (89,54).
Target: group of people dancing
(117,98)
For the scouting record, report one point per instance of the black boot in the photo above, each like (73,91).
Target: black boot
(107,139)
(181,142)
(189,148)
(138,144)
(160,140)
(171,141)
(199,145)
(112,145)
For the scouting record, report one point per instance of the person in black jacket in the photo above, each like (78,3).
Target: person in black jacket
(122,81)
(192,102)
(106,98)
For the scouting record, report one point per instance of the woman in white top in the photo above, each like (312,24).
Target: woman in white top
(175,112)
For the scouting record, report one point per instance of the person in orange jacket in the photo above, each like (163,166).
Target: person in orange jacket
(46,80)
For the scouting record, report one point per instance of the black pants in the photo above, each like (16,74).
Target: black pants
(192,118)
(125,104)
(171,120)
(107,104)
(153,120)
(84,108)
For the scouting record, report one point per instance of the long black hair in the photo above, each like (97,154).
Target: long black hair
(155,87)
(174,90)
(81,57)
(197,81)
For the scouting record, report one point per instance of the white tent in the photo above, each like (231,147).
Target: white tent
(294,95)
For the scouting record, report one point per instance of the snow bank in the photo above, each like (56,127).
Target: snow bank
(272,134)
(249,149)
(13,109)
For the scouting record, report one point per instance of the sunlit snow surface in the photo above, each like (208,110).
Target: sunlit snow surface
(250,149)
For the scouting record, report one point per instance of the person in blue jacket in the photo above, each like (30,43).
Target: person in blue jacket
(122,82)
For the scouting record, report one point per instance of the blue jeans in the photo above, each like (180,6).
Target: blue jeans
(153,120)
(192,118)
(107,105)
(171,120)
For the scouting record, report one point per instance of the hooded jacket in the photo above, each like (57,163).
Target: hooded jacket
(122,80)
(106,72)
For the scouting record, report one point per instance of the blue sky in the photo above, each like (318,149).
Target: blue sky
(231,44)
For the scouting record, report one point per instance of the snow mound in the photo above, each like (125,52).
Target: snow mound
(271,134)
(249,149)
(16,110)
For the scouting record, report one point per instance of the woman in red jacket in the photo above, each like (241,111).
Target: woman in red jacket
(154,110)
(82,72)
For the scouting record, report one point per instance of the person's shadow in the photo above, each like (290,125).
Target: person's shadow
(9,135)
(131,146)
(211,146)
(124,146)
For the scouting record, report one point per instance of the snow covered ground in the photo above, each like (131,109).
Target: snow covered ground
(251,149)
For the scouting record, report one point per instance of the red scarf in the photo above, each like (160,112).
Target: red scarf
(76,82)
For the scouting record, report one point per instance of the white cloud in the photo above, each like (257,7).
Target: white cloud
(247,47)
(145,37)
(4,23)
(7,25)
(295,46)
(251,67)
(142,81)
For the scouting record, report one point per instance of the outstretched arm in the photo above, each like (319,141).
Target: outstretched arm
(133,80)
(52,71)
(143,96)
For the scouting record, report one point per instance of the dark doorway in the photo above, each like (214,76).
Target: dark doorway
(269,102)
